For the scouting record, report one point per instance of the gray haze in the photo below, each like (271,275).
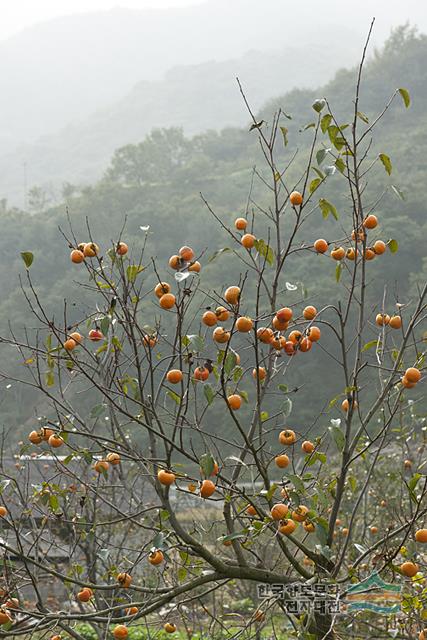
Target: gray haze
(75,88)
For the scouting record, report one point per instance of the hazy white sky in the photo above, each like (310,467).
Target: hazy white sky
(18,14)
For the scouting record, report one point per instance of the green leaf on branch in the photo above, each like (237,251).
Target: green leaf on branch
(319,104)
(28,258)
(284,131)
(319,173)
(104,325)
(132,271)
(321,155)
(337,436)
(327,208)
(369,345)
(209,393)
(196,342)
(338,271)
(230,362)
(174,396)
(314,185)
(287,407)
(217,253)
(325,122)
(340,165)
(405,97)
(207,464)
(50,379)
(265,251)
(363,117)
(386,162)
(393,245)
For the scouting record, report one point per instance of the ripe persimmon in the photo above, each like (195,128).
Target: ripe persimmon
(295,336)
(55,441)
(300,513)
(413,374)
(70,344)
(279,325)
(122,248)
(421,536)
(46,432)
(295,198)
(232,295)
(369,253)
(305,344)
(169,627)
(3,511)
(77,256)
(265,334)
(209,318)
(222,314)
(321,245)
(186,253)
(76,336)
(307,446)
(290,348)
(161,289)
(174,376)
(373,530)
(314,333)
(251,511)
(351,253)
(395,322)
(287,437)
(240,224)
(156,557)
(113,458)
(234,401)
(409,569)
(131,611)
(286,527)
(359,235)
(120,632)
(207,488)
(370,222)
(166,477)
(175,262)
(382,319)
(167,301)
(124,579)
(379,247)
(282,461)
(90,250)
(279,511)
(220,335)
(95,335)
(4,617)
(309,312)
(201,373)
(338,253)
(101,466)
(244,324)
(345,405)
(309,526)
(195,267)
(35,437)
(285,314)
(248,240)
(405,382)
(85,594)
(259,373)
(150,340)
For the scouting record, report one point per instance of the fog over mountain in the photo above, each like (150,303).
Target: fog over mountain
(77,87)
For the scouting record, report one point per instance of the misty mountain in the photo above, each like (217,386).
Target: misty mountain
(197,98)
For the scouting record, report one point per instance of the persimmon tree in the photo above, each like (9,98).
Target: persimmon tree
(188,477)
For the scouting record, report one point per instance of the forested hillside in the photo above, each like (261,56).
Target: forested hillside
(158,181)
